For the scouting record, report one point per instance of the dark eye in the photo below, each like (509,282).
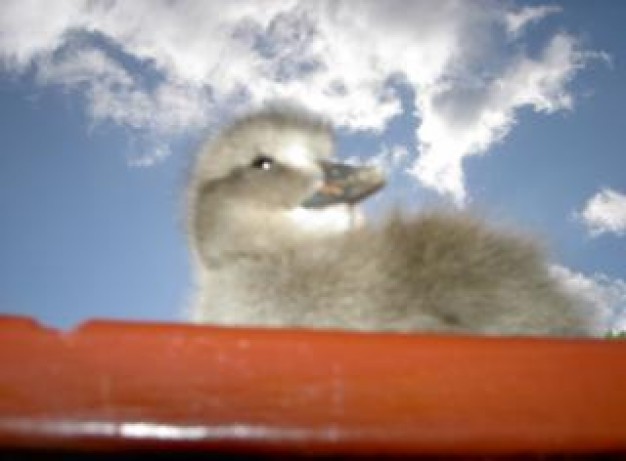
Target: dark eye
(263,162)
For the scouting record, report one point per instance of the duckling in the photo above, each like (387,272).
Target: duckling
(275,242)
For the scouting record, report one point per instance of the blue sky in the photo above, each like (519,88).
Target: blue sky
(514,109)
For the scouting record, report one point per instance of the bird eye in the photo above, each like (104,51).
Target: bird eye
(263,162)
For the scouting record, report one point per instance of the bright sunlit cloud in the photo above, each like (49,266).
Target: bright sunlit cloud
(465,63)
(605,296)
(605,213)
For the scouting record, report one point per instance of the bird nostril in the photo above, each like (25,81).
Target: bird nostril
(334,173)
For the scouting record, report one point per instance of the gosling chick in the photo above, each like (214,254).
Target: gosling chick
(270,230)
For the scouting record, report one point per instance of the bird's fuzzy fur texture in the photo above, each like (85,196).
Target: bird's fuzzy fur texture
(434,272)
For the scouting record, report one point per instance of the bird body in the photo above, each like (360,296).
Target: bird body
(264,259)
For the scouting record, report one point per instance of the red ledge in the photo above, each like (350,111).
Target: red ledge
(113,386)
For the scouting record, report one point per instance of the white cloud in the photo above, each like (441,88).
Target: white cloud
(82,66)
(32,28)
(460,120)
(606,297)
(210,58)
(516,21)
(389,158)
(605,213)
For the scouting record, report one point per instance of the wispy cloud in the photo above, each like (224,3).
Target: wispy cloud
(605,213)
(389,158)
(605,296)
(205,60)
(517,21)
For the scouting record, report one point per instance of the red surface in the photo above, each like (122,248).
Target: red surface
(117,386)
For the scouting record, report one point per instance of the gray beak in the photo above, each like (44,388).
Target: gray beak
(345,184)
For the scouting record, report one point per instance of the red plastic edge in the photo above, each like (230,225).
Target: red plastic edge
(111,386)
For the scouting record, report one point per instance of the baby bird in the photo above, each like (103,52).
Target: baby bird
(272,236)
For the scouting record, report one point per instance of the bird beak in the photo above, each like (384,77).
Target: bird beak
(345,184)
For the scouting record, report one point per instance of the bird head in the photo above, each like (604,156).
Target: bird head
(271,176)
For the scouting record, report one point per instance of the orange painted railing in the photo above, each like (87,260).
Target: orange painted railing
(114,387)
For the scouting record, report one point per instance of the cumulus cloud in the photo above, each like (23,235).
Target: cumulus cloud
(167,67)
(605,213)
(33,28)
(605,296)
(460,120)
